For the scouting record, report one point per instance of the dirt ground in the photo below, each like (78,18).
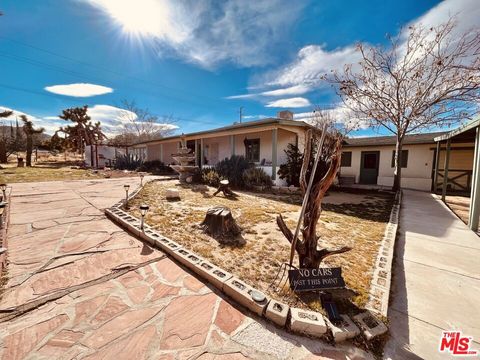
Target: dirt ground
(353,219)
(52,168)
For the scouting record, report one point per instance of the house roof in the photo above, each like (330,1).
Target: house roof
(247,124)
(463,133)
(426,138)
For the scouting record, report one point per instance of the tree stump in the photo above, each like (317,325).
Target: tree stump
(225,188)
(219,223)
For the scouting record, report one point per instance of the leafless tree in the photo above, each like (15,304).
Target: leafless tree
(142,125)
(330,149)
(425,78)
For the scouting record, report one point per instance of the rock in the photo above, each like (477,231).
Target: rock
(172,194)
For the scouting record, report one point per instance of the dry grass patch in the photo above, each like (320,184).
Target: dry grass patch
(354,219)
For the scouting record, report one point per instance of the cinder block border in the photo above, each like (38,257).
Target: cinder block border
(382,276)
(306,322)
(5,220)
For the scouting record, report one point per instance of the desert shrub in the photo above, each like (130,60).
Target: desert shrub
(155,167)
(232,169)
(210,177)
(127,162)
(290,171)
(256,177)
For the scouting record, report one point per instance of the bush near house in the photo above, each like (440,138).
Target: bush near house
(127,162)
(256,177)
(232,169)
(155,167)
(210,177)
(290,171)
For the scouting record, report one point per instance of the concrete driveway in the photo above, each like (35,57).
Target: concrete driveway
(80,287)
(436,284)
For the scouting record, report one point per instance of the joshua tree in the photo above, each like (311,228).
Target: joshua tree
(29,131)
(326,170)
(83,132)
(3,140)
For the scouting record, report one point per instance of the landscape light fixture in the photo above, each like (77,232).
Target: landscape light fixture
(143,211)
(3,187)
(142,175)
(126,187)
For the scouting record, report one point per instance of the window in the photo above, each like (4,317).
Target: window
(346,160)
(404,158)
(252,149)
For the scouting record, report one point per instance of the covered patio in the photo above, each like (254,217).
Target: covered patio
(463,179)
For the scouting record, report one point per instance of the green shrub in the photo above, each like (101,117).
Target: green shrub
(232,169)
(290,171)
(210,177)
(155,167)
(127,162)
(256,177)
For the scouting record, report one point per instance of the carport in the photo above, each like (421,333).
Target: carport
(467,134)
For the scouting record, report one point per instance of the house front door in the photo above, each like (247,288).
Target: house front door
(369,167)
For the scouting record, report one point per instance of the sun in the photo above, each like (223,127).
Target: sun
(137,17)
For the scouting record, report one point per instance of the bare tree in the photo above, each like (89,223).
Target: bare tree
(329,151)
(425,78)
(142,125)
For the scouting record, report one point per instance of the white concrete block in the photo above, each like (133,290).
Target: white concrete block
(307,322)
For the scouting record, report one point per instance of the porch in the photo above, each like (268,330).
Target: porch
(263,147)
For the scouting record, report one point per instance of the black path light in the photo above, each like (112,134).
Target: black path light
(3,187)
(143,211)
(126,187)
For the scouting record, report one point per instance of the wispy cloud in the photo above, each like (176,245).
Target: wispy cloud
(209,32)
(79,89)
(296,102)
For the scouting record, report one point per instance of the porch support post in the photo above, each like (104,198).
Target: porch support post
(232,145)
(274,153)
(445,171)
(474,212)
(196,155)
(161,153)
(437,161)
(202,160)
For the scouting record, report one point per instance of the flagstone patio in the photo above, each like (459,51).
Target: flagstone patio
(80,287)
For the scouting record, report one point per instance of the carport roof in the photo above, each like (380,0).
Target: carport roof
(464,133)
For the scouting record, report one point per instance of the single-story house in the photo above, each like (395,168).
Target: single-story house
(366,160)
(370,160)
(263,142)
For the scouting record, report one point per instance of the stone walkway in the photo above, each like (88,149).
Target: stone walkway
(436,284)
(78,287)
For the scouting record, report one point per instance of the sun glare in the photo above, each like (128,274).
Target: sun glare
(139,17)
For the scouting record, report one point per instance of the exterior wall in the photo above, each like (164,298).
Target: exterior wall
(417,174)
(106,155)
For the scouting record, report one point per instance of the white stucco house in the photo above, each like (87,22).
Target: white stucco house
(263,142)
(369,160)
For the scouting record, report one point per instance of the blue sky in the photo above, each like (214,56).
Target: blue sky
(197,61)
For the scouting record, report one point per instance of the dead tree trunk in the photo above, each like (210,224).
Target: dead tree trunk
(307,246)
(220,223)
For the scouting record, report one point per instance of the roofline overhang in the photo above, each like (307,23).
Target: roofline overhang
(471,125)
(247,125)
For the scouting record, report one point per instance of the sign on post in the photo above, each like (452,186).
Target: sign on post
(316,279)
